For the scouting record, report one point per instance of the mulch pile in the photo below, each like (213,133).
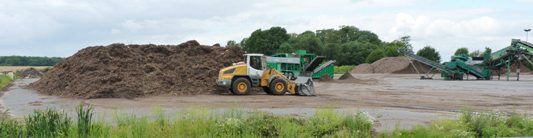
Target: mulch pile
(325,78)
(396,65)
(30,73)
(346,76)
(129,71)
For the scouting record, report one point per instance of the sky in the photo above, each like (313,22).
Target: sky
(62,27)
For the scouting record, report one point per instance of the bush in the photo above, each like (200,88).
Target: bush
(343,69)
(473,124)
(4,81)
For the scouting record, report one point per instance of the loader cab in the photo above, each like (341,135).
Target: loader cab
(256,63)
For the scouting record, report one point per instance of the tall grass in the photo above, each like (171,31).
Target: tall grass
(199,122)
(84,121)
(4,81)
(203,122)
(47,123)
(472,124)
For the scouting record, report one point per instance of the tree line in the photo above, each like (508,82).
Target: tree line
(348,45)
(28,61)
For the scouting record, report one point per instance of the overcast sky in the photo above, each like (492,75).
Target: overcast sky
(62,27)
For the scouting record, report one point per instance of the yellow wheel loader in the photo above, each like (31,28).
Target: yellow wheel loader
(253,72)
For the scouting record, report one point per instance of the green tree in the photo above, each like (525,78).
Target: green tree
(286,48)
(354,53)
(476,53)
(389,49)
(375,56)
(267,41)
(429,53)
(462,50)
(348,44)
(336,42)
(231,43)
(306,41)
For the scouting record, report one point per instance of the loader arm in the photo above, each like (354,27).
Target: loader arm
(301,86)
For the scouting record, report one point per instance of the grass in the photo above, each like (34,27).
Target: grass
(203,122)
(189,123)
(472,124)
(343,69)
(4,81)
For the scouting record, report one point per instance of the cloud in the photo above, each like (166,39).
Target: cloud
(425,27)
(61,27)
(447,32)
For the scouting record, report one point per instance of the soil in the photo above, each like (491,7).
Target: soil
(396,65)
(129,71)
(30,73)
(325,78)
(349,78)
(363,68)
(346,76)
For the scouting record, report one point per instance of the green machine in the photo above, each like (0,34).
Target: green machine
(480,67)
(301,63)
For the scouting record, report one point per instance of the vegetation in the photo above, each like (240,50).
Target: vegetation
(266,42)
(429,53)
(189,123)
(343,69)
(4,81)
(347,45)
(202,122)
(29,61)
(475,53)
(461,51)
(478,53)
(389,49)
(472,124)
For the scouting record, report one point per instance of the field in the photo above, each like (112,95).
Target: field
(19,68)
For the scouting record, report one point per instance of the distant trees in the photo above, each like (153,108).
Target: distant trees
(231,43)
(476,53)
(487,51)
(28,61)
(462,50)
(429,53)
(347,45)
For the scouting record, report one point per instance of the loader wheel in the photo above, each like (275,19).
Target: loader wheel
(278,87)
(241,86)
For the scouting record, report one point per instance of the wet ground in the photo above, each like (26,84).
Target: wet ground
(392,99)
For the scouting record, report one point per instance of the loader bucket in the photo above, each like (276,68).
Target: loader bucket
(305,86)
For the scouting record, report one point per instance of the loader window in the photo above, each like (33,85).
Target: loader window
(255,62)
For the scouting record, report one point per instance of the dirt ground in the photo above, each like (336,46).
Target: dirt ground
(380,90)
(390,98)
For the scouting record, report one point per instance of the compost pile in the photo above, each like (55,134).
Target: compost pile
(397,65)
(30,73)
(129,71)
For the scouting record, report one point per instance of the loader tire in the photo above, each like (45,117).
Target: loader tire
(278,87)
(241,86)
